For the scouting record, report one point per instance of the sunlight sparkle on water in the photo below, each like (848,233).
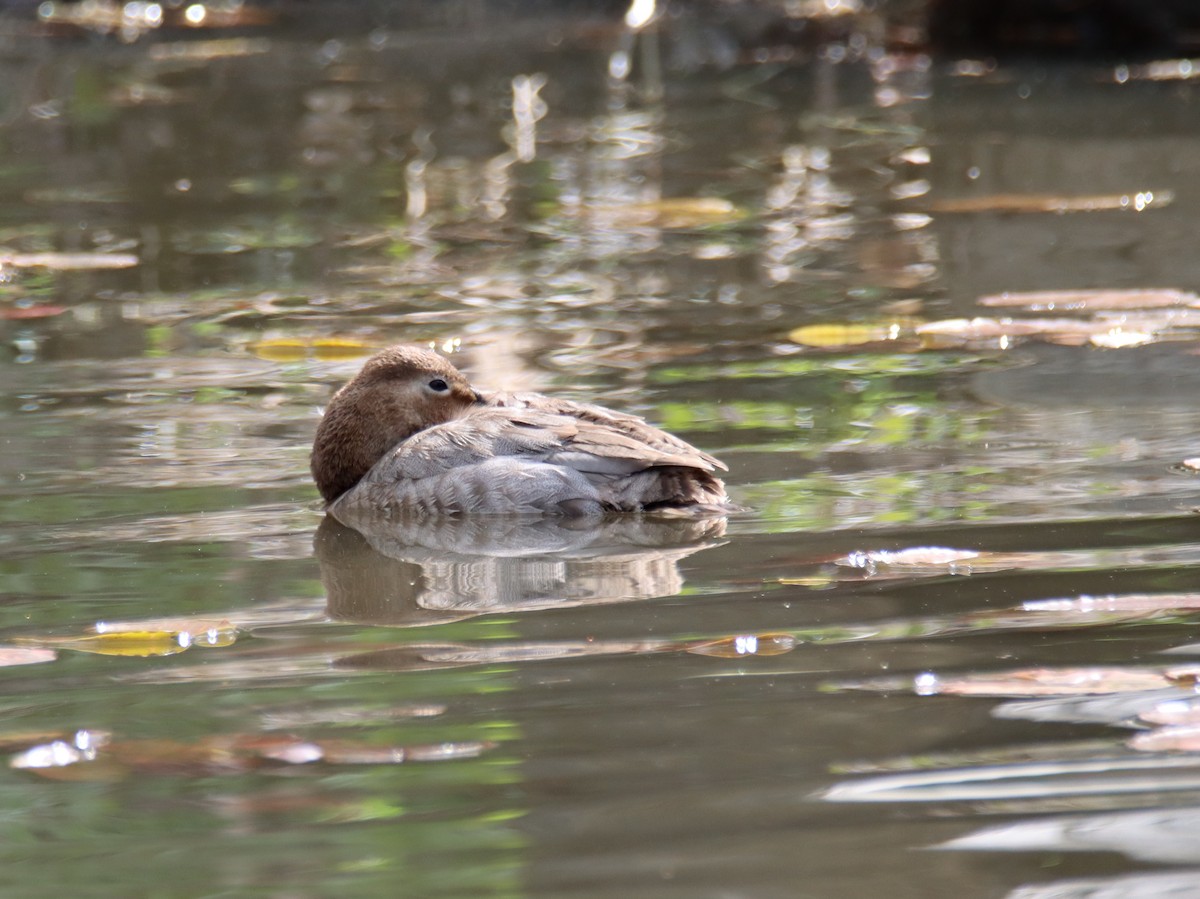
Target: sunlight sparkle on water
(926,684)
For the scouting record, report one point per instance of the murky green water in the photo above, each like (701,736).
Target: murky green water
(956,616)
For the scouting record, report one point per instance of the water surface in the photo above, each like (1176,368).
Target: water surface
(944,652)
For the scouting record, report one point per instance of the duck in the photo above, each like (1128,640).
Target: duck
(409,437)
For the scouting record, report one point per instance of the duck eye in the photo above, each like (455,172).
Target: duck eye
(437,384)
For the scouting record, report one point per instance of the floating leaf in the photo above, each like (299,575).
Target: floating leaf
(1174,712)
(1030,203)
(1119,338)
(21,313)
(1038,780)
(11,656)
(833,336)
(1183,738)
(92,756)
(922,558)
(1043,682)
(674,213)
(298,348)
(114,640)
(82,747)
(1126,602)
(1184,676)
(994,328)
(1159,70)
(70,261)
(207,51)
(1088,300)
(744,645)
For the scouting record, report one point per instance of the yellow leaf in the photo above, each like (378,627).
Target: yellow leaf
(831,336)
(295,349)
(139,643)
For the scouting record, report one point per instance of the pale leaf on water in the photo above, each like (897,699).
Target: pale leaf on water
(1037,780)
(1176,738)
(1135,201)
(1119,338)
(69,261)
(673,213)
(1088,300)
(1174,712)
(1127,602)
(919,558)
(11,656)
(992,328)
(1159,70)
(207,51)
(1021,682)
(1044,682)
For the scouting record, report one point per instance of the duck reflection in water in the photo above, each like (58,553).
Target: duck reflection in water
(430,572)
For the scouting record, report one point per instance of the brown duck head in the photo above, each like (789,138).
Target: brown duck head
(398,392)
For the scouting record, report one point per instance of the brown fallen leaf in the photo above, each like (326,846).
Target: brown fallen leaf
(91,756)
(20,313)
(1184,675)
(1136,201)
(743,645)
